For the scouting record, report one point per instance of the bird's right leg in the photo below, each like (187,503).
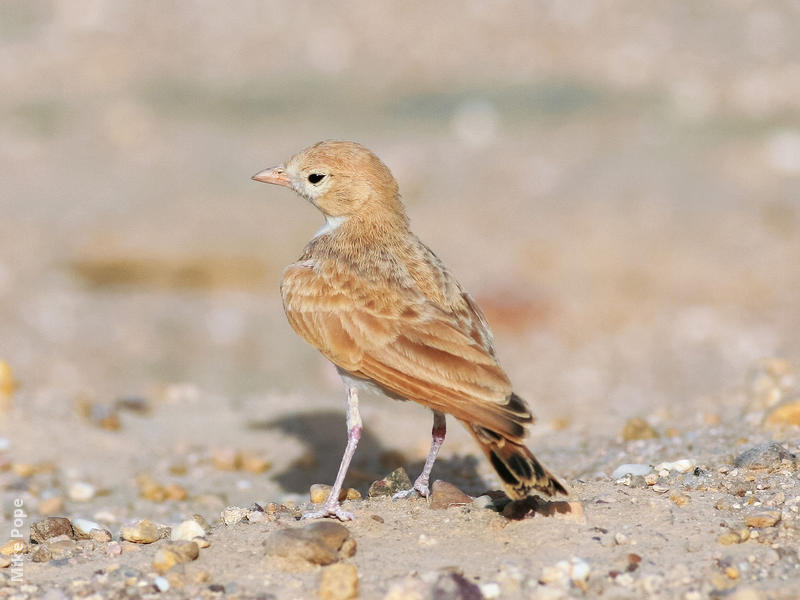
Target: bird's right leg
(438,433)
(331,508)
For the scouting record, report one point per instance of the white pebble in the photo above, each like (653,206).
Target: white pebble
(684,465)
(630,469)
(624,579)
(490,590)
(80,491)
(579,569)
(84,526)
(256,516)
(161,583)
(575,570)
(233,514)
(105,516)
(425,540)
(482,501)
(187,531)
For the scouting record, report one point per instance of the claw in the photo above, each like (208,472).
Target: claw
(418,488)
(336,512)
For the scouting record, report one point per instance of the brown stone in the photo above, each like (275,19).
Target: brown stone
(320,543)
(679,498)
(254,463)
(174,553)
(61,548)
(766,518)
(227,459)
(141,532)
(51,506)
(396,481)
(339,582)
(51,527)
(173,491)
(445,495)
(13,546)
(768,455)
(638,429)
(785,413)
(150,489)
(41,554)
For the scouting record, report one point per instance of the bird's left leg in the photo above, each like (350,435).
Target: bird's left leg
(331,508)
(438,432)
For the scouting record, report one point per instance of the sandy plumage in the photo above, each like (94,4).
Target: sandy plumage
(380,305)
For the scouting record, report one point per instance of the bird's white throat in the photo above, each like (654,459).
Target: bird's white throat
(331,224)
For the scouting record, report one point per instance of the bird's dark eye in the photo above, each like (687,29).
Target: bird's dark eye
(315,178)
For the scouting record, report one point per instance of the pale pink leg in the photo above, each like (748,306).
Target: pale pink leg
(437,439)
(331,507)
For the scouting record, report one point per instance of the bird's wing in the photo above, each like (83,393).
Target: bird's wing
(405,344)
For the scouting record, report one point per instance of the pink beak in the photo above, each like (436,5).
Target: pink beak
(276,175)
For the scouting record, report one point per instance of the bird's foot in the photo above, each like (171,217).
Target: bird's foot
(419,487)
(334,511)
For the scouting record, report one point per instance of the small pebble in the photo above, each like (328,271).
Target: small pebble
(61,548)
(161,583)
(7,382)
(490,590)
(764,456)
(319,493)
(13,546)
(575,571)
(733,537)
(445,495)
(396,481)
(631,469)
(257,516)
(41,554)
(227,459)
(174,553)
(679,498)
(651,479)
(339,582)
(320,543)
(141,532)
(767,518)
(254,463)
(660,488)
(638,429)
(100,535)
(83,528)
(175,492)
(51,506)
(113,549)
(51,527)
(426,541)
(482,501)
(150,489)
(81,491)
(683,465)
(785,413)
(187,531)
(233,515)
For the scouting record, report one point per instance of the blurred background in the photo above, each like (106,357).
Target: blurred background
(618,184)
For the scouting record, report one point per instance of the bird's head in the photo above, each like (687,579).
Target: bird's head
(342,179)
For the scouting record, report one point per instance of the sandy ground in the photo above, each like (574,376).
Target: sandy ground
(618,187)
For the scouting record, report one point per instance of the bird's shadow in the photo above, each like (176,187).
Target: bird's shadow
(323,434)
